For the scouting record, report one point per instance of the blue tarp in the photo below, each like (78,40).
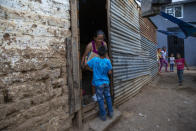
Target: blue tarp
(186,28)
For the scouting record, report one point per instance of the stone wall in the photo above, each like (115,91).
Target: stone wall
(33,81)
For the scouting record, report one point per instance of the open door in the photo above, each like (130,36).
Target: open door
(175,45)
(92,17)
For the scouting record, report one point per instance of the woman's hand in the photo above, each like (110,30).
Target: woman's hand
(87,50)
(110,72)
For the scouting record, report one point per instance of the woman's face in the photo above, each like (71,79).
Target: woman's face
(159,50)
(99,39)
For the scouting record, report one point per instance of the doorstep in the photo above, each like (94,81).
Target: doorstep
(99,125)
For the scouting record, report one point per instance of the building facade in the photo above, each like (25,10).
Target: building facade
(183,10)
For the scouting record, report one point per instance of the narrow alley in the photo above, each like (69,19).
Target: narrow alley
(161,106)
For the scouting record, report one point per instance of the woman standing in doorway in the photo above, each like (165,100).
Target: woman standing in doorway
(92,51)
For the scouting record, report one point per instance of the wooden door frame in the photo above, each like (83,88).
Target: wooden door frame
(73,67)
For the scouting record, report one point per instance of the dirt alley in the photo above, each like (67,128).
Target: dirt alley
(161,106)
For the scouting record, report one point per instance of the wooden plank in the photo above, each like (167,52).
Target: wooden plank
(75,57)
(89,107)
(79,119)
(90,115)
(69,75)
(73,67)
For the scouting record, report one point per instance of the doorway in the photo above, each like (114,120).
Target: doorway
(175,45)
(92,17)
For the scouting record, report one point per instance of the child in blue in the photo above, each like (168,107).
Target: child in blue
(102,67)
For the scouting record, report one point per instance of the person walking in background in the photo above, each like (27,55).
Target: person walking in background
(163,59)
(158,56)
(180,62)
(172,62)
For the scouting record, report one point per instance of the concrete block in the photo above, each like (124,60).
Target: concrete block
(99,125)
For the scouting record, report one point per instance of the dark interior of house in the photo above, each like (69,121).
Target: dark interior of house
(92,17)
(175,45)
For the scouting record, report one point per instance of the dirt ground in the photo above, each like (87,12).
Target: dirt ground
(161,106)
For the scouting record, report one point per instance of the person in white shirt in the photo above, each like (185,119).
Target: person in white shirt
(163,60)
(172,62)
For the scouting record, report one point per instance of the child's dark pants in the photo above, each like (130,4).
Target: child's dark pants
(180,75)
(171,67)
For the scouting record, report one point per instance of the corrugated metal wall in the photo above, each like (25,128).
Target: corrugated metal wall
(151,49)
(149,43)
(131,67)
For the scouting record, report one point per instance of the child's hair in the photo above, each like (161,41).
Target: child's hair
(178,54)
(102,51)
(163,48)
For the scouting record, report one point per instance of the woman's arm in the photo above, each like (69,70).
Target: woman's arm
(87,66)
(87,50)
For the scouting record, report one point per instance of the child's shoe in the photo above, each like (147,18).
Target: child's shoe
(110,114)
(180,84)
(94,98)
(103,118)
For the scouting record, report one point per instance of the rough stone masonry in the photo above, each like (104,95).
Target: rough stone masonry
(33,81)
